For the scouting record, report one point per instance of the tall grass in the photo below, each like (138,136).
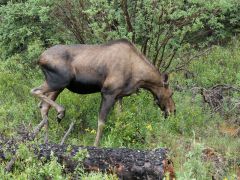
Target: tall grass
(141,123)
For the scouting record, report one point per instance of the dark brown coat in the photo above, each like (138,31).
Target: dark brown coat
(116,69)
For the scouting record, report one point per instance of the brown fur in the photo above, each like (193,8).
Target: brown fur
(116,69)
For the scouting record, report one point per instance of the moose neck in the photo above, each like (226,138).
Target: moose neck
(147,75)
(152,81)
(153,88)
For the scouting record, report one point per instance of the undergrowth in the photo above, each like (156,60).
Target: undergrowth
(141,124)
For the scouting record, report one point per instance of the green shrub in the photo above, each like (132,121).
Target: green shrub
(195,167)
(28,166)
(220,66)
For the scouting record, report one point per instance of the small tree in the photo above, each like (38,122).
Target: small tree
(167,32)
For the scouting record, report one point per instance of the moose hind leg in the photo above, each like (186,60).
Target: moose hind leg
(41,102)
(45,109)
(40,93)
(106,104)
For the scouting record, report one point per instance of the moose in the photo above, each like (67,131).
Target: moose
(115,69)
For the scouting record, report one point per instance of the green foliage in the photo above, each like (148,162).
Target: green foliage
(195,167)
(133,121)
(97,176)
(169,33)
(51,169)
(141,124)
(27,166)
(81,155)
(142,121)
(220,66)
(79,172)
(190,116)
(26,29)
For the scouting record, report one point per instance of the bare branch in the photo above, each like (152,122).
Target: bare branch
(144,46)
(171,59)
(180,67)
(38,128)
(163,44)
(67,133)
(158,36)
(10,164)
(64,13)
(124,7)
(162,55)
(216,97)
(174,53)
(226,87)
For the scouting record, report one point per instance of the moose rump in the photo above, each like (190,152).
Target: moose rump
(60,72)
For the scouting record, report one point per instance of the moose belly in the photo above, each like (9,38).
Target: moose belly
(85,86)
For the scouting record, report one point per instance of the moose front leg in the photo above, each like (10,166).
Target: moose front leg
(106,104)
(119,105)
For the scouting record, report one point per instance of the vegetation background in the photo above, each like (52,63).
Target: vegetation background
(196,41)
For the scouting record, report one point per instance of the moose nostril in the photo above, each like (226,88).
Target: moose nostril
(165,115)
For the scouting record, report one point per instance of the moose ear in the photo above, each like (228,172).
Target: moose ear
(165,79)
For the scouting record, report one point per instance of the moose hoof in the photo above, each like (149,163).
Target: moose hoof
(60,116)
(40,105)
(46,139)
(59,120)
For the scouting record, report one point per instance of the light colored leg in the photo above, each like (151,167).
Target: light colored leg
(45,109)
(101,125)
(106,104)
(40,91)
(119,106)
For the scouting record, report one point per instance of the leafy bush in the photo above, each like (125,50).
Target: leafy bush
(167,32)
(221,66)
(195,167)
(27,166)
(26,28)
(171,34)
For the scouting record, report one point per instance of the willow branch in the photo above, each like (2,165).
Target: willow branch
(67,133)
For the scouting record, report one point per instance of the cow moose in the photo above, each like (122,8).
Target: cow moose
(115,69)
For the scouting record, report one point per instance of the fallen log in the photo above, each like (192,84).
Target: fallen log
(125,163)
